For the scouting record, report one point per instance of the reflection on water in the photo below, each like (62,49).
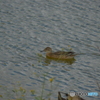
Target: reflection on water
(68,61)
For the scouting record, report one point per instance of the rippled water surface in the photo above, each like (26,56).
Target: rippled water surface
(28,26)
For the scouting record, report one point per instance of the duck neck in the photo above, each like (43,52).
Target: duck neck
(48,53)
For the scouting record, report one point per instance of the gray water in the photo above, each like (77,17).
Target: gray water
(28,26)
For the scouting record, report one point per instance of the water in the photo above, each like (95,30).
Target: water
(28,26)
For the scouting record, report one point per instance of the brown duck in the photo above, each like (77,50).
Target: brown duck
(58,54)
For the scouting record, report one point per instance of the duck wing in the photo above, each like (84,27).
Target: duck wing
(60,53)
(70,53)
(64,53)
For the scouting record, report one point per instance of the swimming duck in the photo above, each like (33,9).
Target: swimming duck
(58,54)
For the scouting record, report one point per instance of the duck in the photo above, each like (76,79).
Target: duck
(59,54)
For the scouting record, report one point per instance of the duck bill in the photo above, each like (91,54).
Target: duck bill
(42,51)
